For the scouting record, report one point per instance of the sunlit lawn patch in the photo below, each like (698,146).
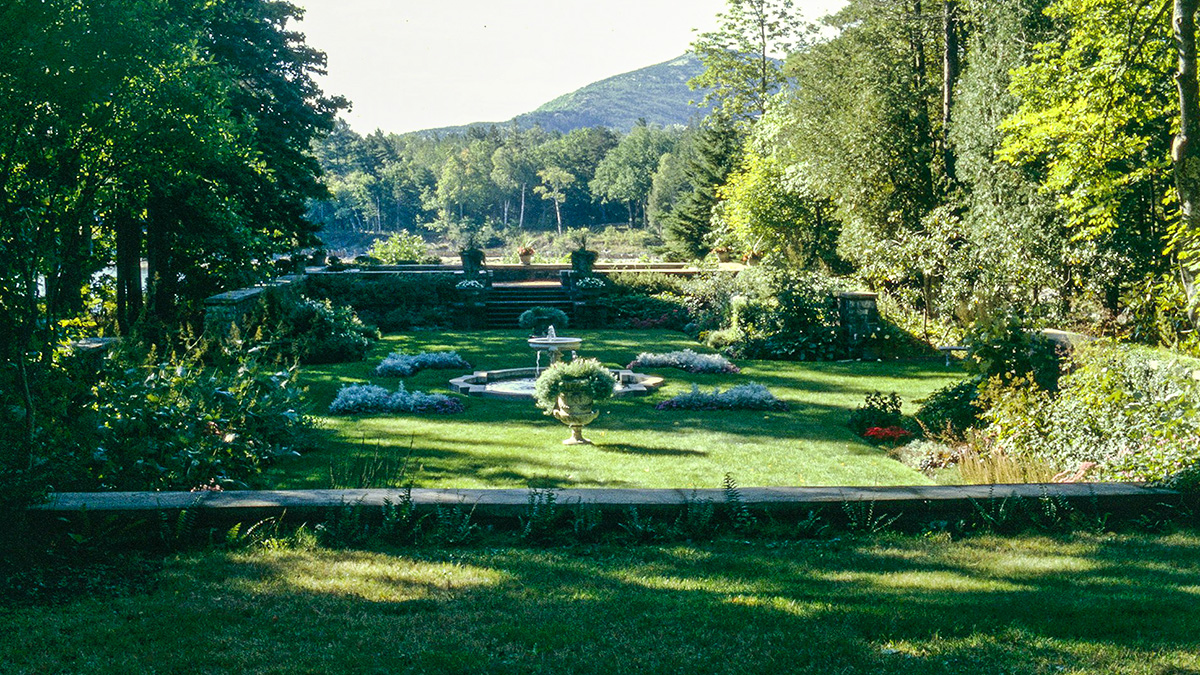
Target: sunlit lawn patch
(1025,605)
(499,443)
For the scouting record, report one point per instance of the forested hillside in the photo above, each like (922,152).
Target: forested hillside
(658,94)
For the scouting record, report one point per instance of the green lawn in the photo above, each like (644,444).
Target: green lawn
(512,444)
(1026,605)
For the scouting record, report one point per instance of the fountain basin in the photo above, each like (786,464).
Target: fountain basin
(517,383)
(555,343)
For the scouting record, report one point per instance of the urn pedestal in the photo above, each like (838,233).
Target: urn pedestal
(574,409)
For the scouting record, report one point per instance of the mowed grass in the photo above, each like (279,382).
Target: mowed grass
(1085,603)
(499,443)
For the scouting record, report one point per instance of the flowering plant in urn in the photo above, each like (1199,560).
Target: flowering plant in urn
(567,390)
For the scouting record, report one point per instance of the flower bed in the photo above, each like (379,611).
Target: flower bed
(399,364)
(751,396)
(686,360)
(367,399)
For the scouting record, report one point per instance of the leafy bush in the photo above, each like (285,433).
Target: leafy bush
(879,410)
(400,247)
(782,314)
(399,364)
(539,319)
(751,396)
(318,331)
(174,423)
(646,283)
(368,399)
(1001,346)
(586,374)
(952,409)
(650,311)
(686,360)
(1133,411)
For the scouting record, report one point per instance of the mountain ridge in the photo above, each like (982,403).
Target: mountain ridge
(657,94)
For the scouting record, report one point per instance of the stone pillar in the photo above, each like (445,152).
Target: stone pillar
(858,315)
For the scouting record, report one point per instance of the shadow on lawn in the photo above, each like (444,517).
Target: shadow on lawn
(1023,605)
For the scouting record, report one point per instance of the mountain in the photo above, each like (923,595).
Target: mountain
(659,94)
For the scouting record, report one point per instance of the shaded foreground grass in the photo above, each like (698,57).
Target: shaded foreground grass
(1079,603)
(511,444)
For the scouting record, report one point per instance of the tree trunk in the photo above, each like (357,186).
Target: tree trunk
(950,71)
(160,282)
(1185,153)
(521,219)
(129,271)
(558,217)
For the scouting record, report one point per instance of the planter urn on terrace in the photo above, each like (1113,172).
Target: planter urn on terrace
(575,409)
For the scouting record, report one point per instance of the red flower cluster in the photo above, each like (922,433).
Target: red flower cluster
(887,434)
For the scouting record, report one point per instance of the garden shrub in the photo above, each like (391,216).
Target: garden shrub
(401,247)
(317,331)
(751,396)
(176,423)
(1133,411)
(952,409)
(1001,346)
(399,364)
(587,374)
(664,310)
(368,399)
(782,314)
(645,283)
(539,319)
(879,410)
(686,360)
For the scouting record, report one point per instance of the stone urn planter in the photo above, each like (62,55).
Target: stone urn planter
(568,390)
(574,409)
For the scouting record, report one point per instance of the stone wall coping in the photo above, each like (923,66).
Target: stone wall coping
(503,500)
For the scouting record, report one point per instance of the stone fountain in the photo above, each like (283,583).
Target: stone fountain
(518,383)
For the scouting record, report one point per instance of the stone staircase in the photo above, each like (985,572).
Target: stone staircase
(505,302)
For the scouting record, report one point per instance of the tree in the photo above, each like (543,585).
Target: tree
(767,211)
(1185,151)
(858,126)
(716,151)
(555,181)
(627,172)
(515,168)
(741,70)
(1094,123)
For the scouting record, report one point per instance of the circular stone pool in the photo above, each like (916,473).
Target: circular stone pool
(517,383)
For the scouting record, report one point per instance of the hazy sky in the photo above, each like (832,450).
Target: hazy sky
(416,64)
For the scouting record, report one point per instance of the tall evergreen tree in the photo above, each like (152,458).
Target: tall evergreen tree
(716,151)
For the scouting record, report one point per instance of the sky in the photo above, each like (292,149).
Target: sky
(407,65)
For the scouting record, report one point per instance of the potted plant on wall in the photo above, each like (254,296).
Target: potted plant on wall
(525,253)
(582,261)
(568,391)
